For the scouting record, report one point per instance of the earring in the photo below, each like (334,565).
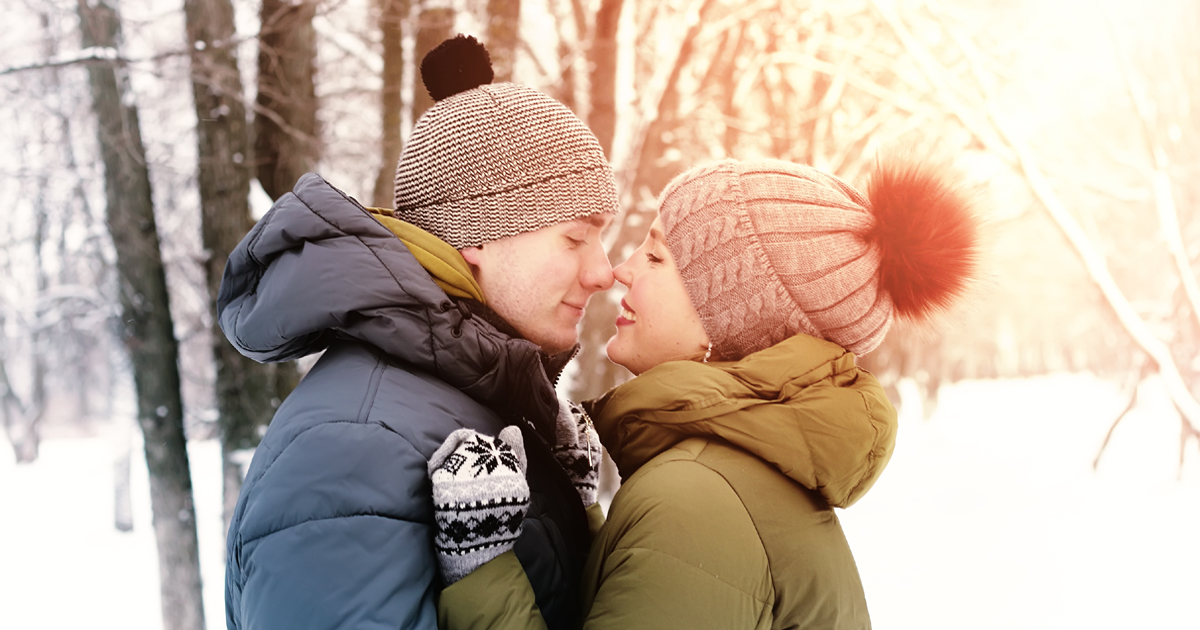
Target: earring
(707,353)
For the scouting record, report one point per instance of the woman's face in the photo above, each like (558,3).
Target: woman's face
(657,322)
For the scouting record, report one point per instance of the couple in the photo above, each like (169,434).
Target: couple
(446,324)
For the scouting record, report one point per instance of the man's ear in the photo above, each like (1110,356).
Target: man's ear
(473,255)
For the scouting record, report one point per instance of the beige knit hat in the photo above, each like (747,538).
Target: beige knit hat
(489,161)
(768,249)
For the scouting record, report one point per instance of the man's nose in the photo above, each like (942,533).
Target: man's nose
(597,272)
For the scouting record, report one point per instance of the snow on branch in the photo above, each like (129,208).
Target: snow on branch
(997,134)
(109,55)
(95,54)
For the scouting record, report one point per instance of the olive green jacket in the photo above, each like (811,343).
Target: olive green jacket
(724,518)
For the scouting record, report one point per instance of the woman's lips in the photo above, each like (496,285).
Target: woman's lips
(626,316)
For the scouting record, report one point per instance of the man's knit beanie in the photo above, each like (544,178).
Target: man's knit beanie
(768,249)
(489,161)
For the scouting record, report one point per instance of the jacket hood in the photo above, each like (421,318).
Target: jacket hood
(318,266)
(802,405)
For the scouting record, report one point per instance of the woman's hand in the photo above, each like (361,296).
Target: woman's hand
(577,449)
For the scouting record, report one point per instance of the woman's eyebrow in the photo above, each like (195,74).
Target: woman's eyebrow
(656,234)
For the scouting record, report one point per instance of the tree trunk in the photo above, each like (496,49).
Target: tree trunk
(1094,261)
(286,141)
(596,373)
(122,456)
(148,331)
(392,14)
(567,46)
(503,33)
(246,391)
(21,433)
(602,78)
(728,82)
(434,26)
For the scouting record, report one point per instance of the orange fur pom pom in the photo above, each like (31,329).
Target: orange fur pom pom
(927,234)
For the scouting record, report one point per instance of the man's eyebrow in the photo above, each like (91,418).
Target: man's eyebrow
(597,220)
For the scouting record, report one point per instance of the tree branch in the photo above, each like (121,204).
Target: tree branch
(1093,261)
(107,55)
(936,74)
(1164,198)
(90,55)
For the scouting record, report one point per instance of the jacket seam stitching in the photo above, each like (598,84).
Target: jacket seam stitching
(706,571)
(368,401)
(359,238)
(332,518)
(346,234)
(871,452)
(753,523)
(259,268)
(695,460)
(271,464)
(302,432)
(241,542)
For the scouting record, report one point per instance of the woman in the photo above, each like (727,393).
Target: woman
(748,420)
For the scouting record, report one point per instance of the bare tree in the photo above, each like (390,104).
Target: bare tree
(571,30)
(503,34)
(148,330)
(435,24)
(392,14)
(22,417)
(286,136)
(996,131)
(602,76)
(247,392)
(596,373)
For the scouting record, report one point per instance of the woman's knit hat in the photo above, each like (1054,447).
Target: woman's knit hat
(768,249)
(489,161)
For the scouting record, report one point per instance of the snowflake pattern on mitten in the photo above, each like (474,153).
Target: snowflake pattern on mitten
(480,497)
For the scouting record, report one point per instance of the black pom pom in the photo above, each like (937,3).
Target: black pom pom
(456,65)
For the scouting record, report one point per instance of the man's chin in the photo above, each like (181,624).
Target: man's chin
(556,344)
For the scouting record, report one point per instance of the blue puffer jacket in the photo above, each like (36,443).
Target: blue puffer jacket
(333,528)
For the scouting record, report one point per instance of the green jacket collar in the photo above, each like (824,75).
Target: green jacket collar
(802,405)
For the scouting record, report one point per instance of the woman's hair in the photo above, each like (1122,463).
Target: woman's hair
(768,249)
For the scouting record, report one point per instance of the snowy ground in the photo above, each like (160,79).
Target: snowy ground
(989,516)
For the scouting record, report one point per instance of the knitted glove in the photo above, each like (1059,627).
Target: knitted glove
(577,449)
(480,497)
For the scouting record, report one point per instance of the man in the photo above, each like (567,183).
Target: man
(459,311)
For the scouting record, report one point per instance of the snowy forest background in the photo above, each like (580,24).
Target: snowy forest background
(1047,473)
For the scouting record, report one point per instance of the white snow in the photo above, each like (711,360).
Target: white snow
(64,565)
(989,516)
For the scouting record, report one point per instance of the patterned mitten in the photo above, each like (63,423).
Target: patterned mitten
(577,449)
(480,497)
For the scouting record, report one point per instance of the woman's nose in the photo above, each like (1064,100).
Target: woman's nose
(622,274)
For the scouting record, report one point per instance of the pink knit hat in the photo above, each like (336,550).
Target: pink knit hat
(768,249)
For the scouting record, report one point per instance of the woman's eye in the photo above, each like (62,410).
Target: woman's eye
(652,258)
(575,242)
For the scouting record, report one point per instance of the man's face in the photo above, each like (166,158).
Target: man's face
(540,281)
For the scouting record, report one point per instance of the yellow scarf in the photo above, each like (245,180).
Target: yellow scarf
(447,267)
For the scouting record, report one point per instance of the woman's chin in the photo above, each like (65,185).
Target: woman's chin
(614,351)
